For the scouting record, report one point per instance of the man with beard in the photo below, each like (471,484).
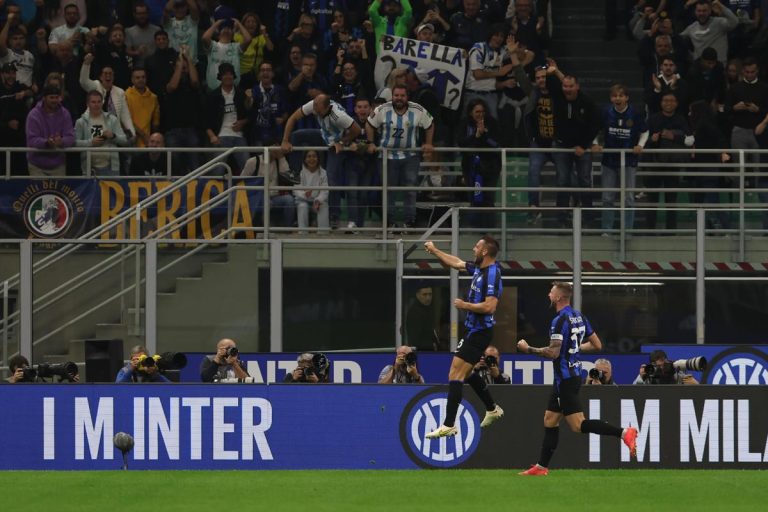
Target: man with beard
(708,31)
(399,121)
(482,301)
(570,333)
(140,38)
(151,163)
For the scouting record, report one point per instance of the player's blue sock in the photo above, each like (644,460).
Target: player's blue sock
(454,399)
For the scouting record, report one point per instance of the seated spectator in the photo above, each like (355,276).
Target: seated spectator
(404,369)
(307,197)
(134,371)
(224,364)
(225,50)
(180,20)
(488,367)
(254,54)
(281,203)
(311,368)
(113,53)
(140,38)
(151,163)
(13,115)
(97,128)
(601,374)
(390,17)
(268,104)
(143,106)
(49,126)
(226,115)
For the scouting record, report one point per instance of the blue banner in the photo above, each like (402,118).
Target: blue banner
(66,208)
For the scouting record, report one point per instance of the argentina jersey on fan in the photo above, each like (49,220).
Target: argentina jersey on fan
(400,131)
(486,282)
(333,124)
(570,327)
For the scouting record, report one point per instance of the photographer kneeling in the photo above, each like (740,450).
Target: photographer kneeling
(404,370)
(601,374)
(311,368)
(224,364)
(141,368)
(661,370)
(488,367)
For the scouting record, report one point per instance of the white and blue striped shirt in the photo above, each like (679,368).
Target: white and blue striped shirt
(333,124)
(400,131)
(484,58)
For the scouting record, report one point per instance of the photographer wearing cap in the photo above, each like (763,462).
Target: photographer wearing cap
(311,368)
(404,370)
(661,370)
(141,368)
(601,374)
(224,364)
(488,367)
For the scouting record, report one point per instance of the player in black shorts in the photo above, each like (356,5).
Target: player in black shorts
(569,334)
(482,299)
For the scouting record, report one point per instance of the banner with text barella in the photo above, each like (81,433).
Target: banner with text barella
(300,426)
(67,208)
(442,67)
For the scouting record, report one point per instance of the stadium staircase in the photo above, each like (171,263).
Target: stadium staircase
(579,49)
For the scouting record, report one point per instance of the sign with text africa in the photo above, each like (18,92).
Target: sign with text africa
(67,208)
(296,426)
(442,67)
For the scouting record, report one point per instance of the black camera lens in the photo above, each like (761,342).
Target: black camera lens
(594,373)
(410,358)
(232,351)
(309,371)
(491,361)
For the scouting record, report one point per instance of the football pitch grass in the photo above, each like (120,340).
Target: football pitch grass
(438,490)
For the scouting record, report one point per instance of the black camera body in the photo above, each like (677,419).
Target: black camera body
(309,371)
(231,351)
(410,359)
(665,374)
(596,374)
(491,361)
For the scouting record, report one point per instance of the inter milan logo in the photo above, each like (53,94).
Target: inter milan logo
(423,415)
(48,215)
(738,366)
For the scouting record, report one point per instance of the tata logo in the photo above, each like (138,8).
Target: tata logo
(738,366)
(424,414)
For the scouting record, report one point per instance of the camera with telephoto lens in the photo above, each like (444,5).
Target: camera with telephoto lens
(596,374)
(163,362)
(410,359)
(491,361)
(65,371)
(665,374)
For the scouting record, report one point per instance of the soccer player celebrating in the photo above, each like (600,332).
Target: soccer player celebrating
(567,336)
(480,305)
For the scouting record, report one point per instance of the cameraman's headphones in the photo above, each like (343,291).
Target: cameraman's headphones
(225,67)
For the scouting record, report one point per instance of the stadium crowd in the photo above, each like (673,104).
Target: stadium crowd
(195,73)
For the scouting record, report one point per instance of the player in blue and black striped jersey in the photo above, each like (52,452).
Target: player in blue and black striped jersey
(481,303)
(569,335)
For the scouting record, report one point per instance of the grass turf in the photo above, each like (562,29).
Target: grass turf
(438,490)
